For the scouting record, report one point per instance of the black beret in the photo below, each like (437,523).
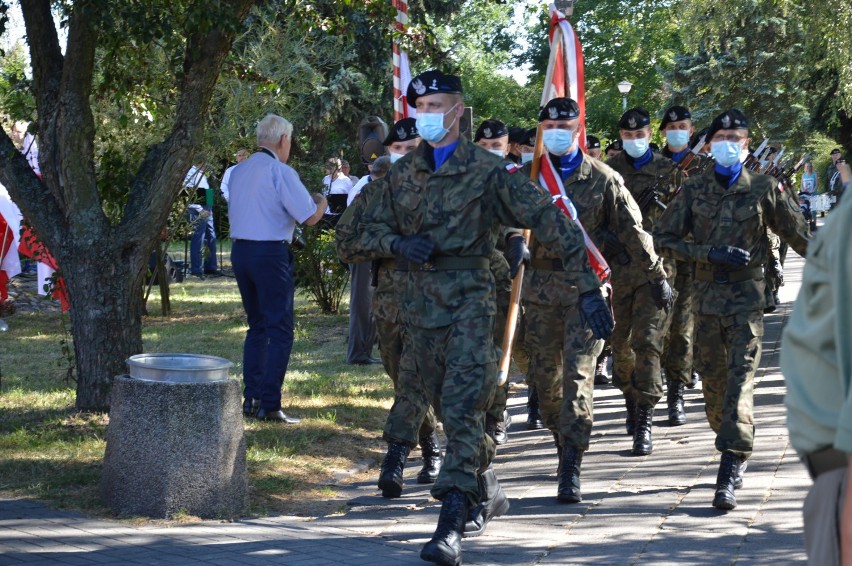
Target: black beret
(529,137)
(654,147)
(835,150)
(616,145)
(403,130)
(490,129)
(634,119)
(516,134)
(432,82)
(675,114)
(732,119)
(592,142)
(559,109)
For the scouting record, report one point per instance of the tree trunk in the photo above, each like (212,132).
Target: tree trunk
(106,319)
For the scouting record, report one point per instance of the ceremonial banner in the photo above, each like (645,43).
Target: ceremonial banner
(565,75)
(34,249)
(401,69)
(10,224)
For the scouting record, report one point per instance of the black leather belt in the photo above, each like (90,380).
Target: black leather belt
(825,460)
(241,241)
(717,274)
(547,264)
(446,263)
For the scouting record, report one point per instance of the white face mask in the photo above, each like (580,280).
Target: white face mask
(677,138)
(526,157)
(430,125)
(394,157)
(498,152)
(727,153)
(635,148)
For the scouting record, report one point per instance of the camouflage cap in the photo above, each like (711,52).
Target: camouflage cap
(432,82)
(490,129)
(402,130)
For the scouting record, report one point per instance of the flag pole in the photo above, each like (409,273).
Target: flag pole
(400,25)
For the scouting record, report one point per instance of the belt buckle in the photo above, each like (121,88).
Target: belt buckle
(721,277)
(427,266)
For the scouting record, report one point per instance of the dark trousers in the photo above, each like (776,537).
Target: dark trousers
(264,273)
(203,233)
(362,326)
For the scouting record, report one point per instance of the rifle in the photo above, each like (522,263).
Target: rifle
(684,165)
(753,161)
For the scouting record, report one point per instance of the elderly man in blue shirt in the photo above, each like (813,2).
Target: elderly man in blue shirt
(267,201)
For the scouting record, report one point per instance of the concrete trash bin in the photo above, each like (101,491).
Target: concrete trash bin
(175,441)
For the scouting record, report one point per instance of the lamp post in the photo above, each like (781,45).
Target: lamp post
(624,87)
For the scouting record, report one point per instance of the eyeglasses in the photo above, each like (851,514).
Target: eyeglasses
(728,138)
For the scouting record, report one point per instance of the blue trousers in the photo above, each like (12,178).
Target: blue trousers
(203,233)
(264,273)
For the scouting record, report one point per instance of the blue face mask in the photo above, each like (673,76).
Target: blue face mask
(430,125)
(726,153)
(557,141)
(635,148)
(526,157)
(677,138)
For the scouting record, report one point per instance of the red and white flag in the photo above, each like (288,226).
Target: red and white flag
(401,69)
(10,224)
(565,75)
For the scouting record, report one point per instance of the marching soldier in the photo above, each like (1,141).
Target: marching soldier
(402,431)
(726,212)
(439,209)
(562,350)
(641,307)
(677,355)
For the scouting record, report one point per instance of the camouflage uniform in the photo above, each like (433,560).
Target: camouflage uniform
(562,364)
(449,303)
(409,418)
(641,326)
(500,271)
(729,315)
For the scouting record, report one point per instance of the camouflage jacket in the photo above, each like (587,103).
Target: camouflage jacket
(604,206)
(459,207)
(660,173)
(736,216)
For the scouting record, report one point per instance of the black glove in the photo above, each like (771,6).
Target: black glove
(595,313)
(414,248)
(661,291)
(516,253)
(729,256)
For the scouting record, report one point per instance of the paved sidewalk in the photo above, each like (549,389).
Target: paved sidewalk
(636,510)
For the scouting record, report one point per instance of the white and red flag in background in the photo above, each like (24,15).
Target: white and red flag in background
(565,75)
(10,225)
(401,69)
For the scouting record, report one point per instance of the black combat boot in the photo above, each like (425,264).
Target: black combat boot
(390,478)
(729,469)
(741,469)
(493,503)
(558,454)
(601,377)
(569,475)
(642,445)
(496,429)
(674,399)
(534,421)
(432,459)
(693,380)
(630,405)
(445,546)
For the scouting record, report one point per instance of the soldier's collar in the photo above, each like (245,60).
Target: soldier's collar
(457,162)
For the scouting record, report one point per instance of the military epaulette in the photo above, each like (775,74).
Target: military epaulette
(512,168)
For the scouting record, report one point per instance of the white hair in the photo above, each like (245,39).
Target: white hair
(271,128)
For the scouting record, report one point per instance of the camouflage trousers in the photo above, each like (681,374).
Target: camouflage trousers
(400,425)
(501,395)
(727,355)
(677,355)
(457,369)
(637,344)
(562,355)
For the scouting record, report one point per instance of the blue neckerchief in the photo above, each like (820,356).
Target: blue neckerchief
(729,174)
(443,153)
(569,163)
(678,157)
(640,162)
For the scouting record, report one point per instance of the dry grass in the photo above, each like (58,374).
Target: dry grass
(49,451)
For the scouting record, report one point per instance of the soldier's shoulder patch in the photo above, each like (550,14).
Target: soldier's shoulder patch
(512,168)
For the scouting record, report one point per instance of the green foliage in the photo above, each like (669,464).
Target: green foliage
(16,96)
(319,272)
